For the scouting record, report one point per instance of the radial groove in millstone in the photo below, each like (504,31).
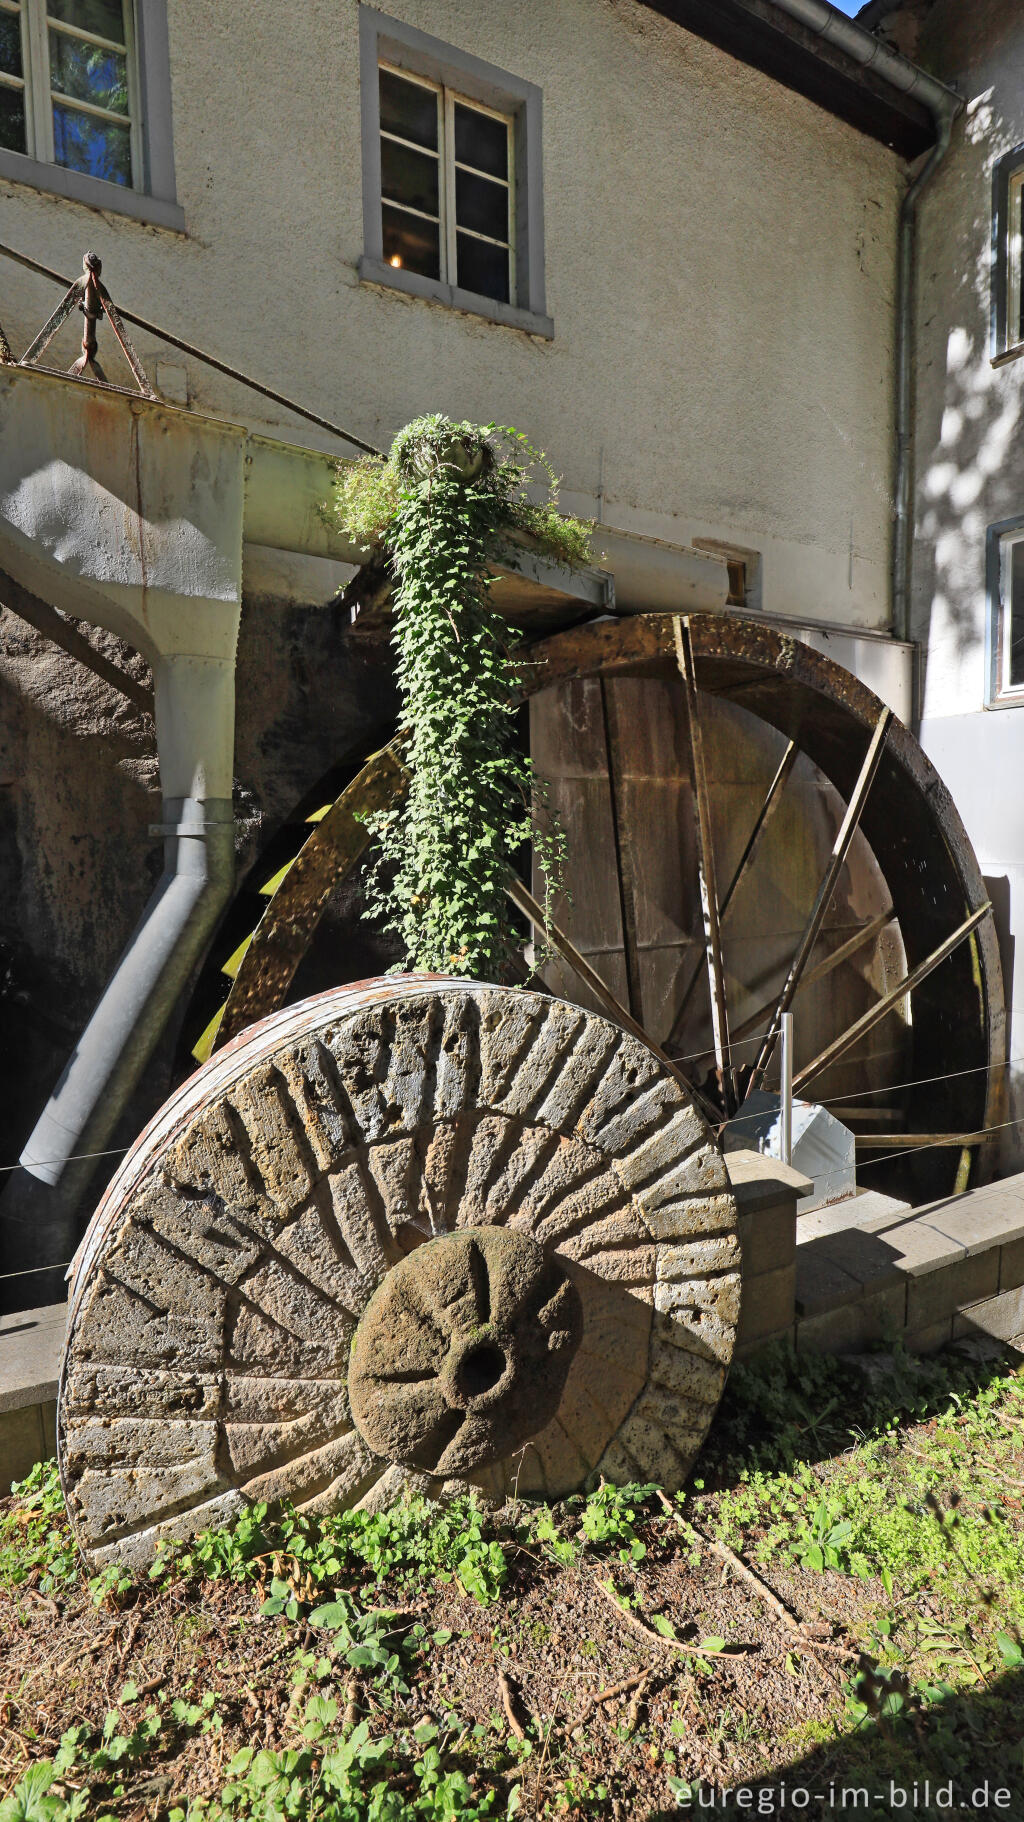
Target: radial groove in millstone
(324,1161)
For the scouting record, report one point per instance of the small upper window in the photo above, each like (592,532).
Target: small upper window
(452,197)
(1008,653)
(68,86)
(446,186)
(1008,255)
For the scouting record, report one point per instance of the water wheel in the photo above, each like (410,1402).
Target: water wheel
(750,830)
(415,1230)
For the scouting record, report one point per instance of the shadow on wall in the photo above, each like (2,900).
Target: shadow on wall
(968,421)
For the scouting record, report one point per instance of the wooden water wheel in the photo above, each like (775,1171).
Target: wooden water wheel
(413,1231)
(750,830)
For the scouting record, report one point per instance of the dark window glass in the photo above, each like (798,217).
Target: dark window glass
(105,18)
(411,242)
(84,72)
(1015,577)
(10,44)
(100,148)
(12,119)
(408,109)
(481,205)
(409,177)
(481,141)
(482,268)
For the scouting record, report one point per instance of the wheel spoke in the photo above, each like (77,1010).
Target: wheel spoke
(840,849)
(706,865)
(623,859)
(764,816)
(821,969)
(877,1012)
(524,901)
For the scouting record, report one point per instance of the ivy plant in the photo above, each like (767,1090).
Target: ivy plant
(442,507)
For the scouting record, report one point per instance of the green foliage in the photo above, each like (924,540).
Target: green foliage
(35,1537)
(443,506)
(414,1540)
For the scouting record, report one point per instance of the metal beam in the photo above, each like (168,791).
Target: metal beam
(877,1012)
(840,849)
(53,626)
(762,820)
(706,863)
(524,901)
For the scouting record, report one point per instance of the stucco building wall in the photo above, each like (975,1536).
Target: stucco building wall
(969,472)
(720,265)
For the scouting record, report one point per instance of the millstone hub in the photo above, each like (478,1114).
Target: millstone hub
(463,1353)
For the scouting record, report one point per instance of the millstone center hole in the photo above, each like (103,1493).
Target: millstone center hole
(481,1369)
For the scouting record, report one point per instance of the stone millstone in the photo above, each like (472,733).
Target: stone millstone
(416,1232)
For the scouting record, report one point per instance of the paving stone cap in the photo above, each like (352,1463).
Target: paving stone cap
(756,1180)
(30,1345)
(327,1176)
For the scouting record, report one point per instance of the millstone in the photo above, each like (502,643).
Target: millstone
(417,1232)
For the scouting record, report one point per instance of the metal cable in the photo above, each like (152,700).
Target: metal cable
(175,341)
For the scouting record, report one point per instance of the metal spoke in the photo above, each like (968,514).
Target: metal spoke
(623,861)
(524,901)
(763,818)
(840,849)
(821,969)
(706,865)
(877,1012)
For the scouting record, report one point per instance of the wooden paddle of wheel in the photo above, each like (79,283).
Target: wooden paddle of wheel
(413,1231)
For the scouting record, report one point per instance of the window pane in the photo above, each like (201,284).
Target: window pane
(10,44)
(1015,569)
(100,148)
(481,205)
(103,17)
(407,108)
(481,141)
(12,119)
(409,177)
(411,242)
(482,268)
(87,73)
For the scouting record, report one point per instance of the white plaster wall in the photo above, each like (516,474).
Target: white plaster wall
(969,471)
(720,261)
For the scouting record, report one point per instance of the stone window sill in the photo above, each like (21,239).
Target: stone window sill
(377,272)
(113,198)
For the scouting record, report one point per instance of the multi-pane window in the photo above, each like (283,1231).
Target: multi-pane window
(446,186)
(67,85)
(1011,614)
(1014,334)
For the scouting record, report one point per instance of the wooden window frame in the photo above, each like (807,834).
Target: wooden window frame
(1007,301)
(459,77)
(1001,538)
(151,195)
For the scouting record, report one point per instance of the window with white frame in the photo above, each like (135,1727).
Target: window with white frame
(1008,254)
(446,186)
(1009,644)
(68,85)
(452,187)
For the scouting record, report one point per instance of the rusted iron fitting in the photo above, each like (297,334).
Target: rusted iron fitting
(91,306)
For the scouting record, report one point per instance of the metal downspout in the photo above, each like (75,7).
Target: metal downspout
(943,104)
(143,991)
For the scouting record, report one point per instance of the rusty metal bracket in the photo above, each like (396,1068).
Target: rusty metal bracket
(92,298)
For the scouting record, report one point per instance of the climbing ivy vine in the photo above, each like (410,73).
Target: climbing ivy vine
(442,507)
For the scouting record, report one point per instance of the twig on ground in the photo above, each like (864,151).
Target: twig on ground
(768,1595)
(607,1695)
(657,1638)
(508,1701)
(352,1694)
